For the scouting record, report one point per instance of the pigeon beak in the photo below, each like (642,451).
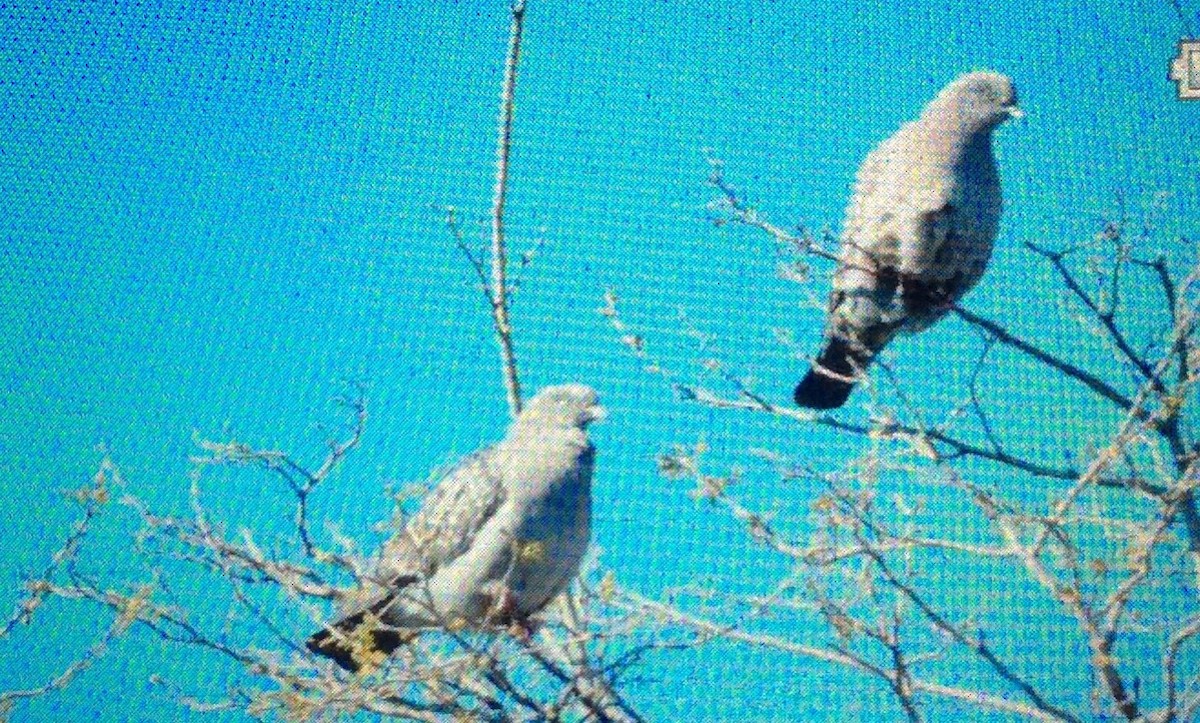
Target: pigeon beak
(1014,112)
(596,413)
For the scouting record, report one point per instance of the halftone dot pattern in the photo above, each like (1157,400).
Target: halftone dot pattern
(218,215)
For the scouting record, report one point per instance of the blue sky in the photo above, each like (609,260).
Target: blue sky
(214,214)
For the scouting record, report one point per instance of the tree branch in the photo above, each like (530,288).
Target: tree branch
(499,293)
(1106,317)
(1005,337)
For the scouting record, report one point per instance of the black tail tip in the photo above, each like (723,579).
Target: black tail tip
(324,643)
(818,391)
(339,650)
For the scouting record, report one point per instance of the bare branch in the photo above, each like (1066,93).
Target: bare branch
(69,673)
(460,241)
(977,645)
(1170,658)
(499,293)
(1167,284)
(1008,339)
(958,448)
(709,630)
(91,499)
(1107,317)
(745,214)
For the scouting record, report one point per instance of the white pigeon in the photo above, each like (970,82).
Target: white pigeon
(918,233)
(497,539)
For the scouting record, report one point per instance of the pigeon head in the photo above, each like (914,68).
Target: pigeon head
(980,101)
(565,405)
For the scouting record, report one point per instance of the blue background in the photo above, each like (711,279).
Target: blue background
(212,214)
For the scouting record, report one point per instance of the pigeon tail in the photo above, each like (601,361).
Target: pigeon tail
(349,645)
(818,390)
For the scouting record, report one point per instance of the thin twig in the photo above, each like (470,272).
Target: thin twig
(958,447)
(91,499)
(978,646)
(710,630)
(1167,284)
(1007,338)
(1107,317)
(68,674)
(1170,657)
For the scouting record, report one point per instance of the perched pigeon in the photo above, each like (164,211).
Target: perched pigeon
(496,540)
(918,232)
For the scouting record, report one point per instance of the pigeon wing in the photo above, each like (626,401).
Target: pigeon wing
(448,521)
(444,528)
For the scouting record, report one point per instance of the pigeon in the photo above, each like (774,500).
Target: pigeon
(498,538)
(918,233)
